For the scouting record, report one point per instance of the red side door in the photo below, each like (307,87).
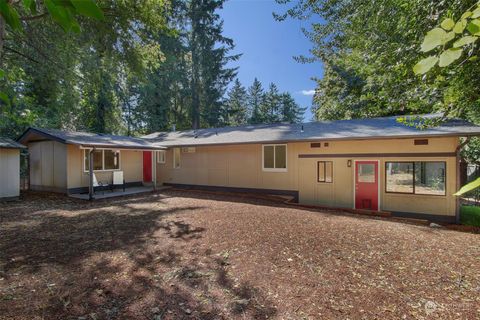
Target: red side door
(366,185)
(147,166)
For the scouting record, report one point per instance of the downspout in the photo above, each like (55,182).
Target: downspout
(154,170)
(458,186)
(90,174)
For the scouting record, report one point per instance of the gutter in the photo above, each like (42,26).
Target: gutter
(458,174)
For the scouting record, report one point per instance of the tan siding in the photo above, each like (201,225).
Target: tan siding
(48,165)
(241,166)
(9,173)
(131,163)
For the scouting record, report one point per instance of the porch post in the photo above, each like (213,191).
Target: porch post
(90,174)
(458,173)
(154,170)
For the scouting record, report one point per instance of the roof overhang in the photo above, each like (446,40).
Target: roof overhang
(110,147)
(35,135)
(280,141)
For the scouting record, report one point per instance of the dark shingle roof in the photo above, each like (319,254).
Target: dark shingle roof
(6,143)
(373,128)
(88,139)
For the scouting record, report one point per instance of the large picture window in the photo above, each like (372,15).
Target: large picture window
(275,157)
(103,160)
(325,171)
(420,177)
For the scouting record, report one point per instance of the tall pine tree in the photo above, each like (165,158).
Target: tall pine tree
(235,111)
(209,51)
(255,99)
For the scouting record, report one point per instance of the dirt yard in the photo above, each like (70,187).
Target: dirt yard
(187,255)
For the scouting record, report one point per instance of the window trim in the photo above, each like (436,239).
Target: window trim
(164,157)
(274,160)
(103,160)
(180,158)
(414,191)
(324,171)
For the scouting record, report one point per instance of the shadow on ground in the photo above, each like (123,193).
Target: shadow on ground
(131,257)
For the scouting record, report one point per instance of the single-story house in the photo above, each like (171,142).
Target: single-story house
(60,161)
(9,168)
(371,164)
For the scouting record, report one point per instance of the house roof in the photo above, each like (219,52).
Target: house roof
(87,139)
(6,143)
(372,128)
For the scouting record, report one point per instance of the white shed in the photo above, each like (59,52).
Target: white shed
(9,168)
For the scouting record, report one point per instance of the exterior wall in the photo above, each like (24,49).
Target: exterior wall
(229,166)
(48,166)
(241,166)
(131,163)
(340,192)
(9,173)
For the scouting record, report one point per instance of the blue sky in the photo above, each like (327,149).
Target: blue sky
(268,47)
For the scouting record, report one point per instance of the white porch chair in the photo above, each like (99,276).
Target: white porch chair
(118,179)
(98,185)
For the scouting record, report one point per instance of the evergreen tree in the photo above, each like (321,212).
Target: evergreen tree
(209,51)
(235,112)
(271,106)
(290,110)
(255,101)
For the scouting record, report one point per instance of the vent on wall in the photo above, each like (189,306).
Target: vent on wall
(315,145)
(420,142)
(188,150)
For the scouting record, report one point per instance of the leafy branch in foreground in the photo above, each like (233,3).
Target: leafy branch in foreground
(62,12)
(475,184)
(451,40)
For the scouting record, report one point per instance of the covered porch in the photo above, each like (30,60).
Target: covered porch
(117,192)
(98,188)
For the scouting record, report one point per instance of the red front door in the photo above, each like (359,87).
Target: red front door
(147,166)
(366,185)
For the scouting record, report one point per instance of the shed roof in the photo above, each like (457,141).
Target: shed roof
(6,143)
(372,128)
(87,139)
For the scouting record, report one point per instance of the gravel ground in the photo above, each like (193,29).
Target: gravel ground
(192,255)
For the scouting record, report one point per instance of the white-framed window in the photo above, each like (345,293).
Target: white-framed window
(176,158)
(161,156)
(103,160)
(274,157)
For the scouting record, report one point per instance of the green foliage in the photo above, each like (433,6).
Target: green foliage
(438,37)
(470,215)
(448,24)
(8,12)
(137,70)
(425,65)
(449,56)
(475,184)
(236,112)
(369,48)
(434,38)
(62,12)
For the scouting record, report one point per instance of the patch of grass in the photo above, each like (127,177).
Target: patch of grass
(470,215)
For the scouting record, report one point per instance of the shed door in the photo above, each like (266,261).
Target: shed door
(366,185)
(147,166)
